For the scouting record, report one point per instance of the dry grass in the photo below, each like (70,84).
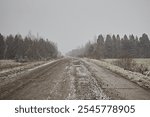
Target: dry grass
(139,61)
(141,65)
(5,64)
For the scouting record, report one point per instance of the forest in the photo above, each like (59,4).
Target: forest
(26,48)
(113,46)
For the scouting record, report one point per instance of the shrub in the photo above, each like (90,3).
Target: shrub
(131,65)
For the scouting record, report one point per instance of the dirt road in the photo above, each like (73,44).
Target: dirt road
(71,78)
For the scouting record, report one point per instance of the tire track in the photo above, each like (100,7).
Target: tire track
(25,79)
(85,84)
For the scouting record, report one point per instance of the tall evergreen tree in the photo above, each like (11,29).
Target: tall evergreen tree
(2,47)
(144,46)
(18,46)
(114,46)
(118,47)
(108,47)
(10,51)
(133,46)
(100,47)
(125,47)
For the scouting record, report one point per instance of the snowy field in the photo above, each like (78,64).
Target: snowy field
(138,78)
(6,64)
(10,65)
(139,61)
(9,69)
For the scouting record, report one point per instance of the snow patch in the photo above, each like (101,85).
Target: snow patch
(41,65)
(141,80)
(70,72)
(86,85)
(10,75)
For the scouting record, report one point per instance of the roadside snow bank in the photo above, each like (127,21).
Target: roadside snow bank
(42,65)
(9,64)
(141,80)
(20,68)
(10,75)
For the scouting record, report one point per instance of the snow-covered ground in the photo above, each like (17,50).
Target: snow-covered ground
(72,78)
(145,62)
(22,67)
(141,80)
(83,84)
(8,64)
(70,75)
(10,74)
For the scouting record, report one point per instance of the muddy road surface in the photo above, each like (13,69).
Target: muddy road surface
(70,78)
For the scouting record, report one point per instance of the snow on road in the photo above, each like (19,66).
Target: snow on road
(85,84)
(71,78)
(114,85)
(141,80)
(70,75)
(11,74)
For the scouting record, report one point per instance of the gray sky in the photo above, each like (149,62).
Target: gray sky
(71,23)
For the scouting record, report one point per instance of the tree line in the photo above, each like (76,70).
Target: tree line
(29,47)
(115,47)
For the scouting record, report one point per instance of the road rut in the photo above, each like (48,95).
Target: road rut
(71,78)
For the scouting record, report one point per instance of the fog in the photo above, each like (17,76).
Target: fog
(71,23)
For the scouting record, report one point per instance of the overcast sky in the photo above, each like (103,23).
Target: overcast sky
(71,23)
